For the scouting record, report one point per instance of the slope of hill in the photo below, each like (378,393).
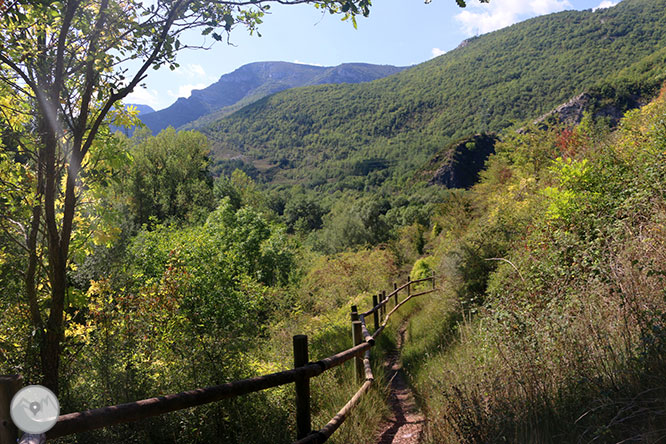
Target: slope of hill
(493,82)
(253,81)
(457,165)
(566,342)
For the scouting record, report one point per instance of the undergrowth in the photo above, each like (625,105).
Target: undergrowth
(554,328)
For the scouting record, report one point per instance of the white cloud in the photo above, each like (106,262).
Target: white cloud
(192,71)
(306,63)
(480,18)
(606,4)
(143,96)
(437,52)
(185,90)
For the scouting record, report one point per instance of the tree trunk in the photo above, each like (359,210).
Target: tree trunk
(31,271)
(50,347)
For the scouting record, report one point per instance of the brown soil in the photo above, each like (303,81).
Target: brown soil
(406,424)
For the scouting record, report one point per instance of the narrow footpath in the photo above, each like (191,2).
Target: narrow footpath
(406,424)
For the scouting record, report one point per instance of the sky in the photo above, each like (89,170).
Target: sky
(397,32)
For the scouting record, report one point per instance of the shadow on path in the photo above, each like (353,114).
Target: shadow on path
(406,424)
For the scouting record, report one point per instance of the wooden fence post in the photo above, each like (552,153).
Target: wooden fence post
(432,279)
(9,385)
(357,336)
(409,286)
(354,313)
(383,305)
(395,295)
(375,314)
(303,423)
(381,309)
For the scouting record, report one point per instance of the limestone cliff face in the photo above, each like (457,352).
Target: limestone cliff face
(571,112)
(458,166)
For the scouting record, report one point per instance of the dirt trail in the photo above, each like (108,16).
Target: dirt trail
(406,424)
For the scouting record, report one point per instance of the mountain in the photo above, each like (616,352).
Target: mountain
(317,135)
(253,81)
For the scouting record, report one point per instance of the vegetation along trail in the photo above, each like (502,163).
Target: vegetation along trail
(406,424)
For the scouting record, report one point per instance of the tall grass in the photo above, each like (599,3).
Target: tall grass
(565,340)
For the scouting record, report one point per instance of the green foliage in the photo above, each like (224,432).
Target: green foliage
(168,178)
(336,280)
(626,89)
(573,176)
(247,189)
(422,268)
(362,223)
(185,307)
(225,168)
(303,214)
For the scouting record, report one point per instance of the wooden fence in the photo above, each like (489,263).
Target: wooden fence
(300,375)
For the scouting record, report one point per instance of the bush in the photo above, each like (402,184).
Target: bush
(423,268)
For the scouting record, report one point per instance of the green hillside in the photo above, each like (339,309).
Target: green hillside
(489,84)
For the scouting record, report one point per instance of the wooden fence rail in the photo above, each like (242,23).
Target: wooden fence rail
(300,375)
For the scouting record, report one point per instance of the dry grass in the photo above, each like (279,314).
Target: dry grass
(585,368)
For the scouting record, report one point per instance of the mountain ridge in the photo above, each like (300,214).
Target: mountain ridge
(253,81)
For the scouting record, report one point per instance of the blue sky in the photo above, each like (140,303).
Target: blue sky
(397,32)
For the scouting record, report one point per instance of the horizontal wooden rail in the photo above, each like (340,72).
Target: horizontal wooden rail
(393,293)
(322,435)
(381,327)
(368,369)
(367,337)
(132,411)
(343,356)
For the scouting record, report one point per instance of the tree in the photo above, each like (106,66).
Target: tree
(64,65)
(303,214)
(168,178)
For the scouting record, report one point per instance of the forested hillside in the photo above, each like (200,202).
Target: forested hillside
(491,83)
